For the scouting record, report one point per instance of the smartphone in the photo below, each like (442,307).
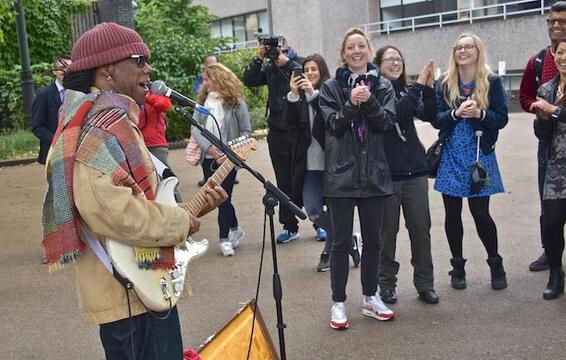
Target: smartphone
(298,71)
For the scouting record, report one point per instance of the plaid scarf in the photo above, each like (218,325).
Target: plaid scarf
(97,123)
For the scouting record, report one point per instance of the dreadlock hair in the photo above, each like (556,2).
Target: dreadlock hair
(79,81)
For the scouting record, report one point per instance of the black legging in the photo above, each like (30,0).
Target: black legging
(554,218)
(479,207)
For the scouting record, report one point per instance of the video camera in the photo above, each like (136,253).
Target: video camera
(272,44)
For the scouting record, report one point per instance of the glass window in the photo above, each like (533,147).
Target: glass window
(227,28)
(215,29)
(251,26)
(239,29)
(263,21)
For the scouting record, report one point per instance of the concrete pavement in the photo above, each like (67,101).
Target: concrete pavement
(40,316)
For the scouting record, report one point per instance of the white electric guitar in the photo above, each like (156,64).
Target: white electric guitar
(160,289)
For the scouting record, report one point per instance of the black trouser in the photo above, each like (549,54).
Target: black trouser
(485,226)
(554,218)
(280,151)
(542,160)
(226,213)
(370,212)
(153,339)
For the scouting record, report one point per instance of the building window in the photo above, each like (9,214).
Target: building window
(241,28)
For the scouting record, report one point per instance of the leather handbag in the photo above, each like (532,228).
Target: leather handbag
(193,152)
(434,154)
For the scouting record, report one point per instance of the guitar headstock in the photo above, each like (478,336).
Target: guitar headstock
(243,145)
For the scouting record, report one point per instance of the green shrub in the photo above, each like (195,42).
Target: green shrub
(18,144)
(11,101)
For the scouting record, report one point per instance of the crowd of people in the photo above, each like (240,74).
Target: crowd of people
(337,141)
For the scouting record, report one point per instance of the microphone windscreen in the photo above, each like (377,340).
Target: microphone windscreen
(158,87)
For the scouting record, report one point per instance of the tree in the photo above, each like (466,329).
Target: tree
(178,35)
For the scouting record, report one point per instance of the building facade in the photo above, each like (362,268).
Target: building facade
(422,29)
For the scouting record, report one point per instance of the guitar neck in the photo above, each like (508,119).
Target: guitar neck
(198,202)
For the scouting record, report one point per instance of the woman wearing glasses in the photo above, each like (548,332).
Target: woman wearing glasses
(471,104)
(406,156)
(221,92)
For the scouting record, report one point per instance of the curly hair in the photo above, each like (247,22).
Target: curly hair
(227,83)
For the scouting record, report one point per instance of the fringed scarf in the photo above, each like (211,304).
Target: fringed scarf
(98,124)
(348,80)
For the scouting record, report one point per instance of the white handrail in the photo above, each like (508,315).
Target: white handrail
(469,15)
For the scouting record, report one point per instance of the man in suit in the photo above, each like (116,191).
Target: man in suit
(45,108)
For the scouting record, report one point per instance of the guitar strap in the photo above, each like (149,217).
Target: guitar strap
(96,246)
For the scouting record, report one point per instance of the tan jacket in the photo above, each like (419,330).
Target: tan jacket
(110,211)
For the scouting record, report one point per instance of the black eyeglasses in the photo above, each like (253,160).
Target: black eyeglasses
(391,60)
(467,47)
(141,60)
(561,22)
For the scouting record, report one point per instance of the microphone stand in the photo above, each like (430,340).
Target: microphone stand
(272,197)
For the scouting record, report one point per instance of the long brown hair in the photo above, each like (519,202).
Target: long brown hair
(227,83)
(322,68)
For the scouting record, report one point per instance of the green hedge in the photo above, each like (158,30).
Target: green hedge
(11,101)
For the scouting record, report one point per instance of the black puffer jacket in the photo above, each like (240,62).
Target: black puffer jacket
(354,169)
(277,81)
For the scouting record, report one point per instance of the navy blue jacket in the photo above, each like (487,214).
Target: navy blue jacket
(495,115)
(44,117)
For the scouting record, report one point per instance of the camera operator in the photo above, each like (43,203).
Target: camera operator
(276,74)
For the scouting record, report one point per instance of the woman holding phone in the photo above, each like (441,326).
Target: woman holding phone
(471,105)
(303,111)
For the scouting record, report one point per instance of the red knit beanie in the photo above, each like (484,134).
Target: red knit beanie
(104,44)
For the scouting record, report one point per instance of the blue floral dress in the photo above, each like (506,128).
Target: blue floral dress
(454,176)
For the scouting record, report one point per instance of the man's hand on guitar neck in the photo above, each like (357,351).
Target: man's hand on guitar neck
(214,194)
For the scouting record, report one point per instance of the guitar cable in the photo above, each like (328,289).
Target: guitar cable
(258,283)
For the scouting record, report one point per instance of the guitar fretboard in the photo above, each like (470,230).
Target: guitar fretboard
(198,202)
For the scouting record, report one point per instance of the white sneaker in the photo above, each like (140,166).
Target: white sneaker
(338,319)
(226,248)
(234,236)
(373,307)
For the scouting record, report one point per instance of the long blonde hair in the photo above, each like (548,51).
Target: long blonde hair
(227,83)
(449,84)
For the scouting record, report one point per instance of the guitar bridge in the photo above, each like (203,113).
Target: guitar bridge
(164,289)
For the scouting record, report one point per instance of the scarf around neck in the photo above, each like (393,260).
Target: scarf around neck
(98,124)
(348,80)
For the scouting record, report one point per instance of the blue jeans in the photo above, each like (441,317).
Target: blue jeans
(226,213)
(313,202)
(153,338)
(542,160)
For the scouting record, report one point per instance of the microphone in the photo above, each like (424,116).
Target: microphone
(158,87)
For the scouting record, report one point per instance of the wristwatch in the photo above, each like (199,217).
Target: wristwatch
(556,113)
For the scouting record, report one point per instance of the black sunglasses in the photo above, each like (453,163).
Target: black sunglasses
(141,60)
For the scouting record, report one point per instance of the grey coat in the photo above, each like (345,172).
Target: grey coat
(236,123)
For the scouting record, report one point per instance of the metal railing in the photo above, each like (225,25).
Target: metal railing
(232,47)
(464,15)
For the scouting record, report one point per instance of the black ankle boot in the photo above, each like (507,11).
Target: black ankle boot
(498,278)
(355,251)
(555,285)
(458,274)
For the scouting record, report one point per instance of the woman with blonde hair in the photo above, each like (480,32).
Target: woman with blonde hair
(358,106)
(471,109)
(222,93)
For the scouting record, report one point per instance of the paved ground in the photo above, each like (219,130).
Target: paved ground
(40,318)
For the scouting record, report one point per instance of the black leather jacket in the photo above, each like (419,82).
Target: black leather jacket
(544,128)
(353,169)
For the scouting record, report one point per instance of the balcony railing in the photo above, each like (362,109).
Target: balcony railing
(460,16)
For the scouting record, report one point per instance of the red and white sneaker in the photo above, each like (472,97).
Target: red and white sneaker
(372,306)
(338,319)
